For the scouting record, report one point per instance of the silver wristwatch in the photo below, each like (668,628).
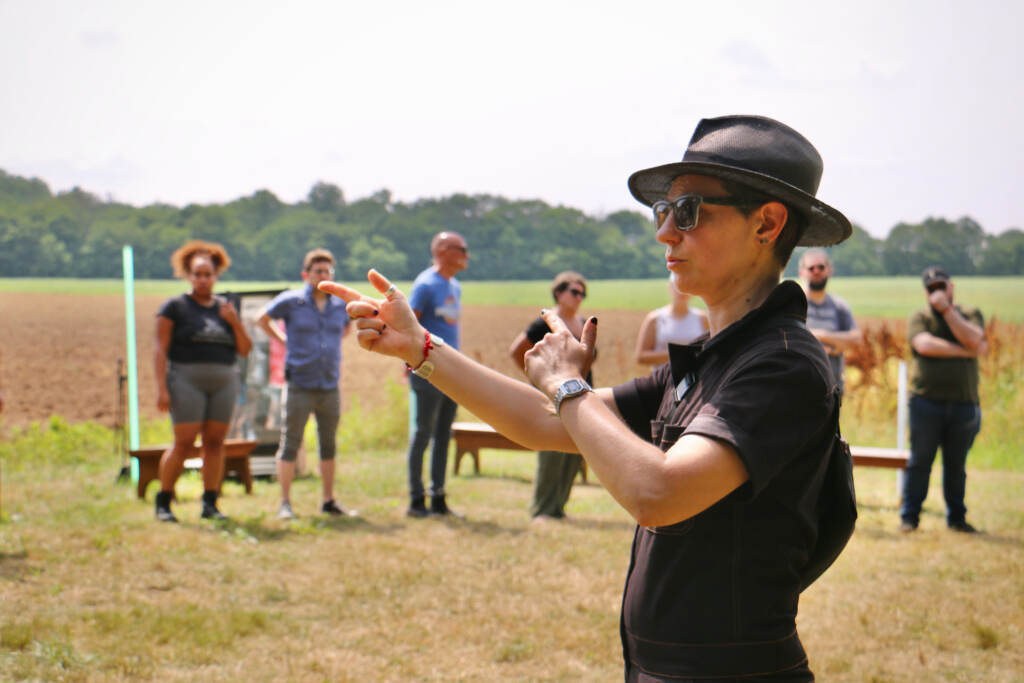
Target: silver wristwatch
(426,368)
(568,389)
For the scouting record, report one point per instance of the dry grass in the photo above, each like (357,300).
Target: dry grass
(93,589)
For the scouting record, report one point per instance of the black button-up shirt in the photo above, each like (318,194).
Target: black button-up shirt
(717,594)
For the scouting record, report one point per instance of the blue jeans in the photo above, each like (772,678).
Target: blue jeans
(953,426)
(430,414)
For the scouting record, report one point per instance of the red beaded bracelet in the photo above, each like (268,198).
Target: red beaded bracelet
(427,346)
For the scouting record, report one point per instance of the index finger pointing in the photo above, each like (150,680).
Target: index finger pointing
(341,291)
(555,323)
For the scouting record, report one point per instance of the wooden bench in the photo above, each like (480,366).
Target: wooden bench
(470,437)
(870,456)
(236,460)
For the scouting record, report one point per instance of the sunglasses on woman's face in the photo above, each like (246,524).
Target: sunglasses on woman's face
(578,292)
(686,209)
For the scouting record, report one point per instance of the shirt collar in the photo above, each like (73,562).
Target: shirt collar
(307,293)
(786,300)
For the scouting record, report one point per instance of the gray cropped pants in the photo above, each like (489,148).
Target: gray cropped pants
(325,404)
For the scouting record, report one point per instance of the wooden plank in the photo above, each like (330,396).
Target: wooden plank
(872,456)
(236,459)
(470,437)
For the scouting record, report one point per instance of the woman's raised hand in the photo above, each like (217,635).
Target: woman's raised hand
(558,356)
(387,326)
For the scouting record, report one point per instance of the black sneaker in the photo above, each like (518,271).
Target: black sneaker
(163,507)
(963,527)
(438,506)
(417,508)
(210,511)
(164,514)
(335,509)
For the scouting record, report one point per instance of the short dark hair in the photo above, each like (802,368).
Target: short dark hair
(317,256)
(792,231)
(563,280)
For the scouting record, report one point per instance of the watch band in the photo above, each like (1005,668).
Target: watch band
(425,369)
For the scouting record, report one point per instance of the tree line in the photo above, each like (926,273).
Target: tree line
(77,234)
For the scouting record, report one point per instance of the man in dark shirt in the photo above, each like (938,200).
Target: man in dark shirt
(946,341)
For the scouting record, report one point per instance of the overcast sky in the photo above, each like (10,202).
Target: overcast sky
(916,107)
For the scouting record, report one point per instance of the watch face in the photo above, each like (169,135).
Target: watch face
(573,386)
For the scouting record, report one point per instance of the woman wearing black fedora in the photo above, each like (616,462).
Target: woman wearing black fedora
(721,453)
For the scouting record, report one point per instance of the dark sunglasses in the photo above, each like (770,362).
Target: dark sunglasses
(686,209)
(457,247)
(935,286)
(578,292)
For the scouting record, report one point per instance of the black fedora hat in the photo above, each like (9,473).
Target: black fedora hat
(758,152)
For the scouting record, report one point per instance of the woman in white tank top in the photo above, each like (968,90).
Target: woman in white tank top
(675,323)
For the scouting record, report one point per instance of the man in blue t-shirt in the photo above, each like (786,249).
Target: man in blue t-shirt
(828,317)
(436,298)
(315,323)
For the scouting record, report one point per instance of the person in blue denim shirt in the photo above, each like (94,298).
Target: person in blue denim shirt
(946,341)
(436,299)
(314,324)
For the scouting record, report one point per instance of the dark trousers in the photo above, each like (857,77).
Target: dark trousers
(431,414)
(951,425)
(556,473)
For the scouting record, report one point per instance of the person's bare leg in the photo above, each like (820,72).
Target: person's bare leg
(213,454)
(213,467)
(172,462)
(327,479)
(285,475)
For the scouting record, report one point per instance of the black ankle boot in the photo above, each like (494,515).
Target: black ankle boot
(163,507)
(417,507)
(210,510)
(439,506)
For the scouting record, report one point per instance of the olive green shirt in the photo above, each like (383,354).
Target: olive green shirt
(943,379)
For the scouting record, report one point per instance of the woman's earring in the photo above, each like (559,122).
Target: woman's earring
(764,240)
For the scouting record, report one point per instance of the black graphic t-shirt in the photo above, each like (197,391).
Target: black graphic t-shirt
(200,334)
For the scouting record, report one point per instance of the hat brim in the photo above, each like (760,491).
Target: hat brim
(825,226)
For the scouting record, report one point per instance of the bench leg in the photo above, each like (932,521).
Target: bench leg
(149,469)
(472,452)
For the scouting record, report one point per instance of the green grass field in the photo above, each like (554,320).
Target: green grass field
(876,297)
(94,590)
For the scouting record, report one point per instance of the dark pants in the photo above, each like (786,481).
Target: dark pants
(556,473)
(951,425)
(430,415)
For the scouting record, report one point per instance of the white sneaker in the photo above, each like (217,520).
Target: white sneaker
(285,511)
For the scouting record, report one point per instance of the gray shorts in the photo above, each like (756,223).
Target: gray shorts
(202,392)
(299,403)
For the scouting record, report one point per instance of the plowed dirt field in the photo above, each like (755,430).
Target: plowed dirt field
(59,354)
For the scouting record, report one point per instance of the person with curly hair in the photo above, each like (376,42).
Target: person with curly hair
(198,338)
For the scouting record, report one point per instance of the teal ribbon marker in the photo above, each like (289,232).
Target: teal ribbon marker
(133,371)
